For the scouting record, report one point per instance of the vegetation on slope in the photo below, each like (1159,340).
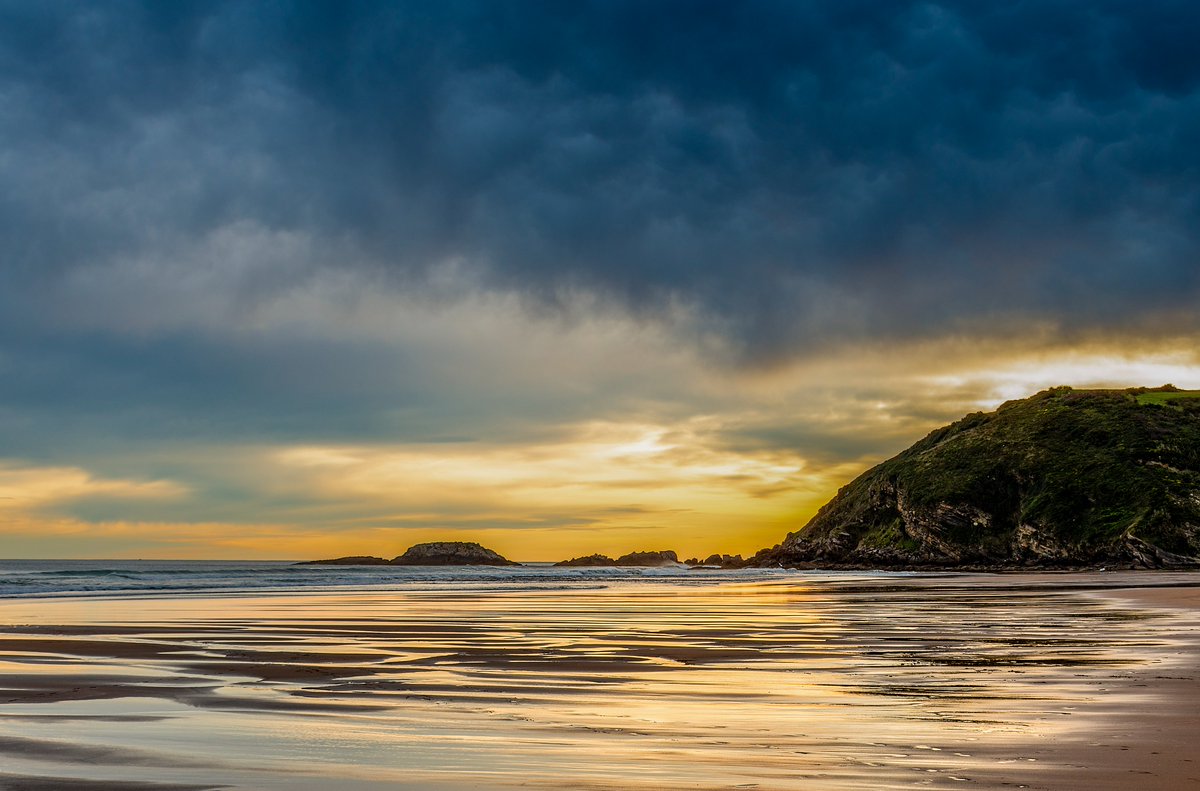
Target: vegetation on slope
(1065,477)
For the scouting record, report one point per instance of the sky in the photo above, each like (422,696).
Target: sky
(306,279)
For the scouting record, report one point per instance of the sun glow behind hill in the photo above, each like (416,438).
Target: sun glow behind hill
(769,448)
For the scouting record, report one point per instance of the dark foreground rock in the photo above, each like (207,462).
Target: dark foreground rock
(1063,479)
(451,553)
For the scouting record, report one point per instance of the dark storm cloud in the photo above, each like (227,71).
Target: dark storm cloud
(797,171)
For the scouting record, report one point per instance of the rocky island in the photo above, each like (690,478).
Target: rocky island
(349,560)
(1063,479)
(434,553)
(662,557)
(717,561)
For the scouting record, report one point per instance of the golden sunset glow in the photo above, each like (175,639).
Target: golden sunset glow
(772,447)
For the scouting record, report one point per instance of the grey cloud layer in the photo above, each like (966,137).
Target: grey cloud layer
(798,171)
(784,174)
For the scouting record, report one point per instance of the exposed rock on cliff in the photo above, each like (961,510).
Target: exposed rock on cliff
(1063,478)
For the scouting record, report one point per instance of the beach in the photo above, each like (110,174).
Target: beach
(751,679)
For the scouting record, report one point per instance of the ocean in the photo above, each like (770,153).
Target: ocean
(124,577)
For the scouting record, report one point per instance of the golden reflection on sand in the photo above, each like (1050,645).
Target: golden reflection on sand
(830,682)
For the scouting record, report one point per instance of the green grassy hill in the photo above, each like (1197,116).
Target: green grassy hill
(1063,478)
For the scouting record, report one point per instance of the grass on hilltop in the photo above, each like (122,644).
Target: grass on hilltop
(1165,397)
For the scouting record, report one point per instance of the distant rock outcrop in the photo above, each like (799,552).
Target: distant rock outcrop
(351,560)
(435,553)
(1065,478)
(588,560)
(663,557)
(719,561)
(451,553)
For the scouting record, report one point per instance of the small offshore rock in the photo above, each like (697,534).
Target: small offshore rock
(588,560)
(350,560)
(451,553)
(663,557)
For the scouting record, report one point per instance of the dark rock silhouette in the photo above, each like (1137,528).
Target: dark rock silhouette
(351,560)
(451,553)
(588,560)
(435,553)
(663,557)
(721,561)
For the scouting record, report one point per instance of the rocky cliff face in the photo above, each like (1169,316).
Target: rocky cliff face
(1063,478)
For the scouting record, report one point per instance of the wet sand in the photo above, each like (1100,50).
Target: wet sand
(1050,681)
(1151,744)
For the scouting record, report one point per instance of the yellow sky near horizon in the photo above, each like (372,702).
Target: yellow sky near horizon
(731,481)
